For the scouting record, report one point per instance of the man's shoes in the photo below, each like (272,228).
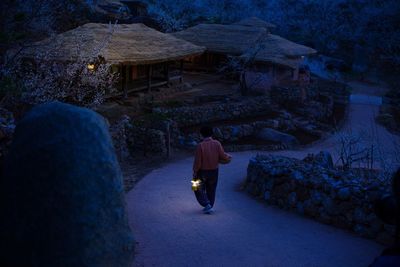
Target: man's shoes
(208,206)
(208,209)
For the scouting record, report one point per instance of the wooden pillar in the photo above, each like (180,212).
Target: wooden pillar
(124,81)
(166,69)
(181,72)
(149,74)
(128,78)
(121,74)
(130,69)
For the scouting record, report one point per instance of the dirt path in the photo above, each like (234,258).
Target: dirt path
(171,230)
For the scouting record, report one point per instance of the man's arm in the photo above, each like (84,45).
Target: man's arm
(197,161)
(221,153)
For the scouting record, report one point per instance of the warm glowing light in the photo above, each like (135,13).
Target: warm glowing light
(196,184)
(90,66)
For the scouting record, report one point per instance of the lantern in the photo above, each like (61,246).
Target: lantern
(196,184)
(91,67)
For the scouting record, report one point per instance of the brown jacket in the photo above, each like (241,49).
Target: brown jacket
(208,153)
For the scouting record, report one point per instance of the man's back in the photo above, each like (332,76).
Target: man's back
(208,154)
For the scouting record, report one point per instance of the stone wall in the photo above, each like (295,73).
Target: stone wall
(146,136)
(317,106)
(240,123)
(286,96)
(236,135)
(314,188)
(322,97)
(148,141)
(196,115)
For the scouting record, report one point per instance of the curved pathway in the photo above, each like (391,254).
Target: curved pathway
(171,230)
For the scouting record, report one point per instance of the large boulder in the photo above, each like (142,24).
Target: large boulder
(268,134)
(61,194)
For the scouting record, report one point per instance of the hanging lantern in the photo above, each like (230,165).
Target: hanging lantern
(91,67)
(196,184)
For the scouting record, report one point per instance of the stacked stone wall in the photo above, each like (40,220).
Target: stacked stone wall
(314,188)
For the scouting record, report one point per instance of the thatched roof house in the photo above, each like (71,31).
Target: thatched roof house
(248,38)
(128,44)
(223,39)
(280,59)
(256,22)
(278,50)
(239,40)
(275,49)
(141,54)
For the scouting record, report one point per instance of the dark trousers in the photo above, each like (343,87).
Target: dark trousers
(206,193)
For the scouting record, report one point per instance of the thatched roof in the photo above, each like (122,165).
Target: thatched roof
(278,50)
(255,22)
(285,47)
(127,44)
(242,40)
(224,39)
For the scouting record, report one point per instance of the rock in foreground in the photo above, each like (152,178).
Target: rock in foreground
(61,194)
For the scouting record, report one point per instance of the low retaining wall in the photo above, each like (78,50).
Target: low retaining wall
(314,188)
(189,116)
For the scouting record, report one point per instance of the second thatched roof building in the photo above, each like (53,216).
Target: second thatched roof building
(247,38)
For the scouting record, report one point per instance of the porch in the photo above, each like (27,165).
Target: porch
(136,78)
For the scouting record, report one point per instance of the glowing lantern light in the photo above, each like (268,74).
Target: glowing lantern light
(196,183)
(90,67)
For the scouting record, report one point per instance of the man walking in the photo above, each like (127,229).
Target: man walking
(209,153)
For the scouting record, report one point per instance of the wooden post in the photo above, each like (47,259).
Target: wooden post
(130,70)
(149,74)
(121,73)
(166,69)
(181,71)
(124,81)
(127,79)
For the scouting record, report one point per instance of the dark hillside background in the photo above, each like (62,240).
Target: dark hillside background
(363,33)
